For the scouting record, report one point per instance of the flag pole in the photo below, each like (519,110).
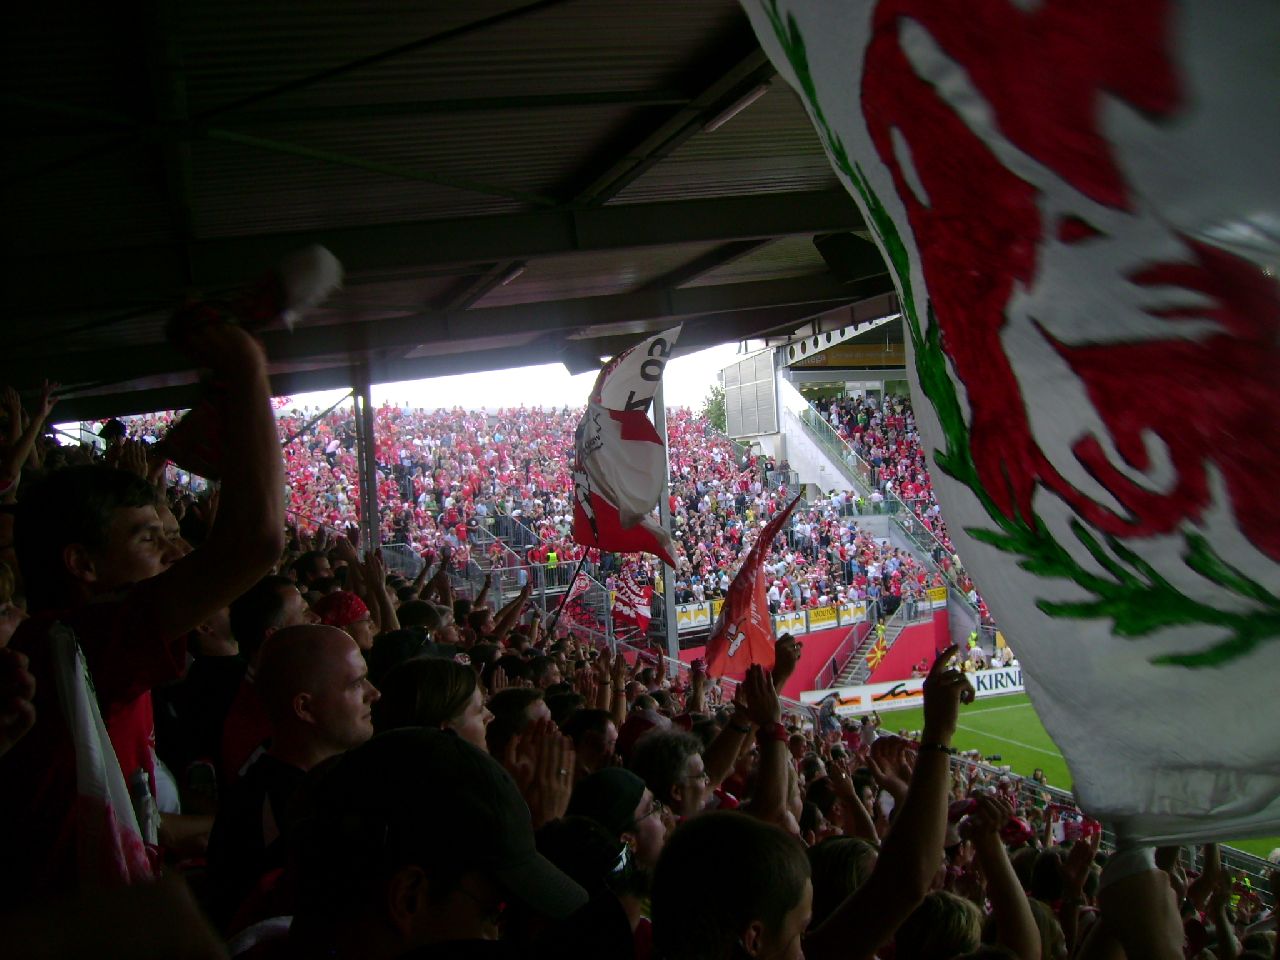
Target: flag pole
(664,517)
(555,617)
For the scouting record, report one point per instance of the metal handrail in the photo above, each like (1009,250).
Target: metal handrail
(675,667)
(861,671)
(825,435)
(840,656)
(1031,792)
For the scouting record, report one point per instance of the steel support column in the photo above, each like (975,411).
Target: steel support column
(370,529)
(664,517)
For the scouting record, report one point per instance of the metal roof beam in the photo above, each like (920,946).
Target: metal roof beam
(167,77)
(623,313)
(698,333)
(701,266)
(124,276)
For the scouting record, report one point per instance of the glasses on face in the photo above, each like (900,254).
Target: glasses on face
(701,775)
(656,809)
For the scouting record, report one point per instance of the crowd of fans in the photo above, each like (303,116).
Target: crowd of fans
(219,734)
(445,473)
(883,434)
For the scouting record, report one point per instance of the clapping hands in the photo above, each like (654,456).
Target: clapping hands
(892,761)
(541,761)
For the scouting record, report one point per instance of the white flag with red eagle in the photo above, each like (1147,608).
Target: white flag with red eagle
(1077,202)
(621,464)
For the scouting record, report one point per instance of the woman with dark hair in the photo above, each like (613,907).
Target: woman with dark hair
(428,692)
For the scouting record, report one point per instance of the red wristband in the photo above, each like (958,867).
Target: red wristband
(774,731)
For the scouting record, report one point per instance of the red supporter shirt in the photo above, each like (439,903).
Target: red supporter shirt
(246,728)
(127,656)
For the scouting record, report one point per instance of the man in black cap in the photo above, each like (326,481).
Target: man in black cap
(619,801)
(412,845)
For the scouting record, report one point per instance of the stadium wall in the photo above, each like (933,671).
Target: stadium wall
(917,642)
(818,648)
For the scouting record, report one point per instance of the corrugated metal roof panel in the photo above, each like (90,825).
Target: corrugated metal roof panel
(236,50)
(91,330)
(244,188)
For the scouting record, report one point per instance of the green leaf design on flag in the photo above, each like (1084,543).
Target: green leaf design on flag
(1130,592)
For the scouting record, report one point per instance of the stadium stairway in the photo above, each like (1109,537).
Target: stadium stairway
(856,670)
(829,454)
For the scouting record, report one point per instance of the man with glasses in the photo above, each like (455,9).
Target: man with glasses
(620,802)
(671,765)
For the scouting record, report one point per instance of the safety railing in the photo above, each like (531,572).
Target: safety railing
(1032,793)
(678,670)
(865,475)
(856,470)
(840,656)
(775,479)
(893,628)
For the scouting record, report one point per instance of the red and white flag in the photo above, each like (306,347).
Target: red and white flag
(1077,202)
(631,605)
(621,462)
(111,845)
(581,583)
(743,633)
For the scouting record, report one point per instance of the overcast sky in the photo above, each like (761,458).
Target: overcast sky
(685,383)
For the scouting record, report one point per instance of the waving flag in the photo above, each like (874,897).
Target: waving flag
(113,847)
(621,463)
(1076,200)
(631,605)
(581,584)
(743,633)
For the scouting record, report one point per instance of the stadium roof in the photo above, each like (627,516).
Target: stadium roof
(507,183)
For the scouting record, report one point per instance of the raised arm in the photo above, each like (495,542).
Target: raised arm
(618,690)
(1074,874)
(697,702)
(912,850)
(420,581)
(247,536)
(507,617)
(770,800)
(721,755)
(856,818)
(375,578)
(786,657)
(483,595)
(1015,926)
(13,457)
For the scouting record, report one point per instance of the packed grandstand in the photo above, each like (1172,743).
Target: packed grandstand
(590,787)
(443,473)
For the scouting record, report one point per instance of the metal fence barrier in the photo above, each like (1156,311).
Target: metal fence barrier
(1031,793)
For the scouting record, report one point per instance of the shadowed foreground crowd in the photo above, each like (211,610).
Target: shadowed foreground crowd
(217,739)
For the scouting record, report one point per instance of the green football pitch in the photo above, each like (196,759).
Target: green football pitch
(1008,727)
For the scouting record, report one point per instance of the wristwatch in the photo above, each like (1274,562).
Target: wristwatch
(940,747)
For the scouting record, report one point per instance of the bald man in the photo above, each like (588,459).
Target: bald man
(314,686)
